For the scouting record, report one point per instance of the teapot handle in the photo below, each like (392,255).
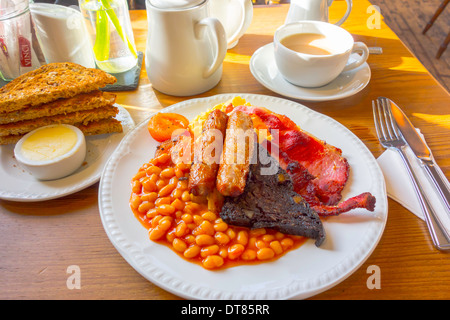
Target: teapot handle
(246,7)
(347,13)
(221,41)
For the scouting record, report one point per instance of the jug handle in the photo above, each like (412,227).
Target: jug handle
(221,41)
(347,13)
(247,14)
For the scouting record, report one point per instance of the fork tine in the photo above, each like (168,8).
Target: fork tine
(386,114)
(381,122)
(393,123)
(375,119)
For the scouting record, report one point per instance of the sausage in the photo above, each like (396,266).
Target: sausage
(237,155)
(207,150)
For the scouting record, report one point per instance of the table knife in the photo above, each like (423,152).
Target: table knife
(422,152)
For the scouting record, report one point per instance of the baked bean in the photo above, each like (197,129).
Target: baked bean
(170,236)
(156,233)
(187,218)
(145,206)
(161,183)
(165,209)
(167,173)
(165,223)
(181,229)
(155,220)
(178,204)
(139,175)
(179,245)
(149,185)
(153,178)
(235,251)
(179,173)
(207,228)
(135,201)
(220,226)
(190,239)
(257,232)
(276,247)
(221,238)
(197,218)
(153,170)
(166,190)
(162,159)
(213,261)
(248,254)
(231,233)
(163,200)
(209,250)
(192,251)
(186,196)
(210,216)
(176,194)
(151,213)
(286,243)
(268,237)
(242,237)
(260,244)
(150,197)
(136,186)
(204,240)
(265,254)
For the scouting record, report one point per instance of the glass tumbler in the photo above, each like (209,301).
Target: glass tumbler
(109,26)
(19,49)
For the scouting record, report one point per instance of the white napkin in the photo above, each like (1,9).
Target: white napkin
(399,186)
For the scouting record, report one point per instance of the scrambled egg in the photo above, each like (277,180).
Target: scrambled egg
(196,125)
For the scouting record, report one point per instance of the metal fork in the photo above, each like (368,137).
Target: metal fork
(391,138)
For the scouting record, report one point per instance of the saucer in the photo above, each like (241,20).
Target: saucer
(264,69)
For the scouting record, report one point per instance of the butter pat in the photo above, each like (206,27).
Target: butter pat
(51,152)
(49,143)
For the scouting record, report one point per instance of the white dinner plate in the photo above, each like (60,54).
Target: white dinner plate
(301,273)
(264,69)
(17,184)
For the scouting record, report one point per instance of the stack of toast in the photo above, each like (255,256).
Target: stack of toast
(58,93)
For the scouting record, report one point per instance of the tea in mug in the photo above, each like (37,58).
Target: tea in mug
(309,43)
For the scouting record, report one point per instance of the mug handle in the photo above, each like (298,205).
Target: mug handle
(247,14)
(221,42)
(347,13)
(358,47)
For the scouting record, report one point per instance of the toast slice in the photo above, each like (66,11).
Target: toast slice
(77,117)
(49,83)
(84,101)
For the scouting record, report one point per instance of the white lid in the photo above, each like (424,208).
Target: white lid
(175,4)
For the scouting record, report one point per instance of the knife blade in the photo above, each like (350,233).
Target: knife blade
(422,152)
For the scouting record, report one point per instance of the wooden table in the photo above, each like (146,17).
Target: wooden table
(39,241)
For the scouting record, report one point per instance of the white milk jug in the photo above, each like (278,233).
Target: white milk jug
(313,10)
(185,47)
(235,16)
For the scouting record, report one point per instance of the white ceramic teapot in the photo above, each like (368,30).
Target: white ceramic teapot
(313,10)
(185,47)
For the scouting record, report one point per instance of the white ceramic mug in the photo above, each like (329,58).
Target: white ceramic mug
(313,10)
(185,47)
(235,16)
(308,70)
